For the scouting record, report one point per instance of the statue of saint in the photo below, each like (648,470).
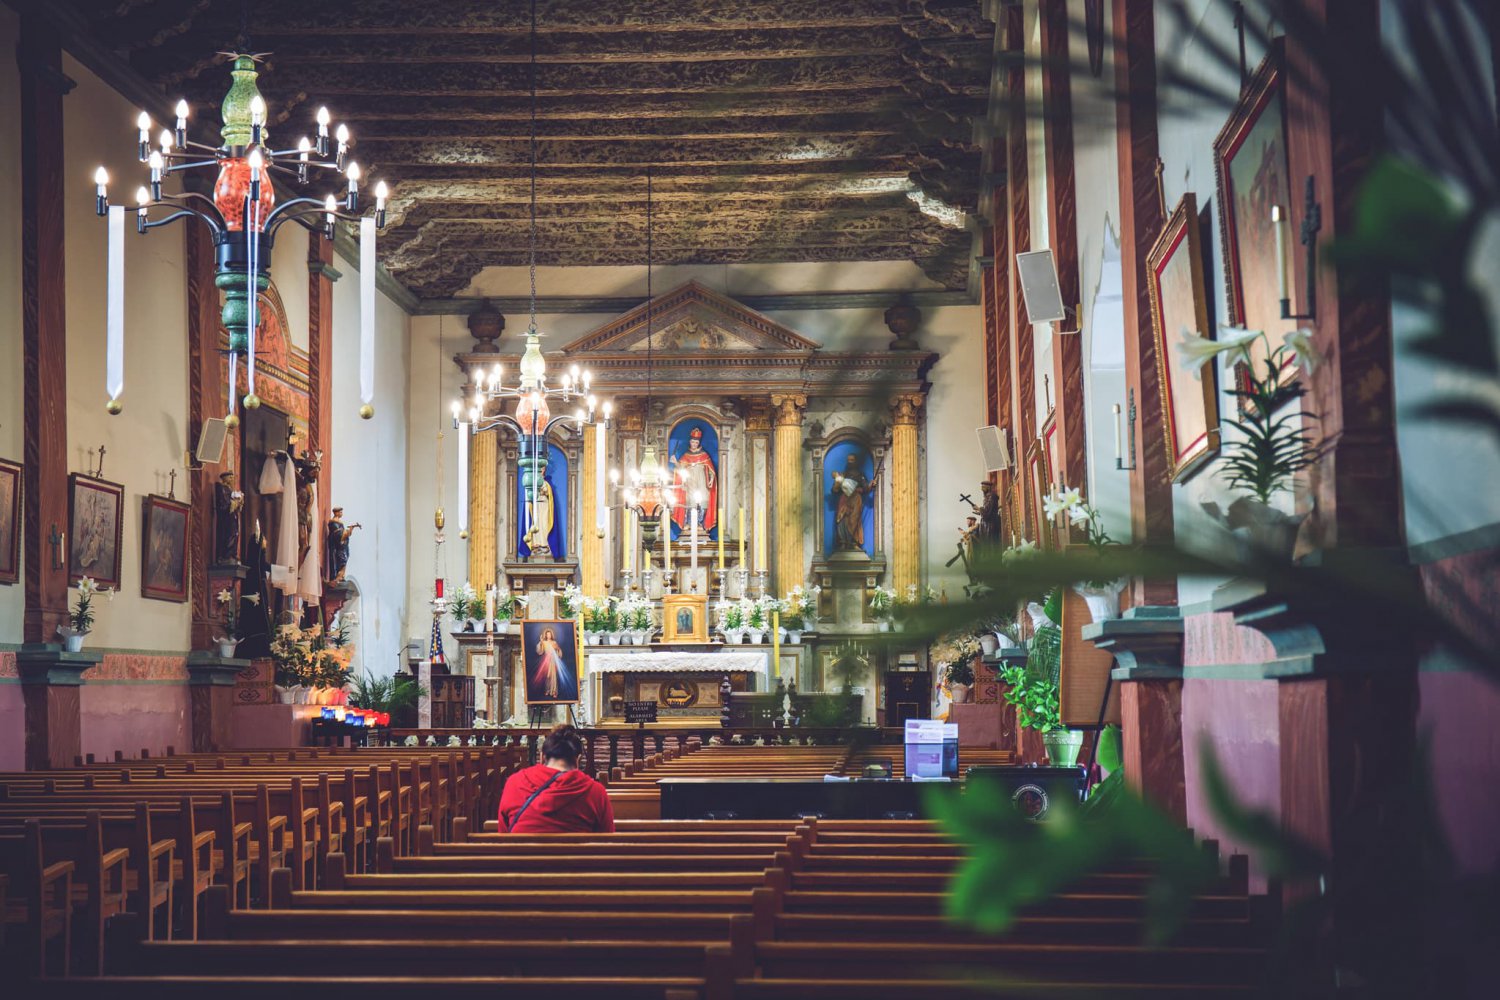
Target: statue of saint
(336,545)
(539,512)
(988,510)
(850,488)
(695,472)
(228,502)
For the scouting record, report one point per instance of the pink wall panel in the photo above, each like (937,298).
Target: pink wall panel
(1238,721)
(1458,714)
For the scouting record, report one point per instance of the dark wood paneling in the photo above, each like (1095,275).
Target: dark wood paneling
(1024,397)
(53,737)
(1062,229)
(205,399)
(320,364)
(1141,220)
(1151,734)
(43,328)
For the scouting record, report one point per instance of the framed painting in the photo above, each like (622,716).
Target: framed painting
(1179,309)
(684,618)
(549,657)
(1037,477)
(1252,173)
(11,475)
(164,548)
(96,510)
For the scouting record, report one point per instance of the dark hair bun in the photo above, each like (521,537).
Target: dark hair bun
(564,743)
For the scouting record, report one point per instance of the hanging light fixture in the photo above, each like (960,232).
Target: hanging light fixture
(243,217)
(648,487)
(531,393)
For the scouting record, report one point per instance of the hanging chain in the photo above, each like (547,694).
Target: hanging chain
(648,302)
(532,328)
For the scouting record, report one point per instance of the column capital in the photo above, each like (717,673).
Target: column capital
(906,407)
(787,410)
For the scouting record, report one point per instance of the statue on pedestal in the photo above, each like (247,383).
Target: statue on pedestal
(336,540)
(988,510)
(228,502)
(850,488)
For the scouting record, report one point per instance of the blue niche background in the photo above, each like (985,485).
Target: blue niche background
(557,477)
(677,445)
(835,460)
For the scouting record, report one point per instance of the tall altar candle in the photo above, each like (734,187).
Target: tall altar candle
(775,645)
(666,538)
(742,538)
(760,538)
(693,559)
(723,525)
(489,606)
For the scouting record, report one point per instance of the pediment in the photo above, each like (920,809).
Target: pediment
(689,319)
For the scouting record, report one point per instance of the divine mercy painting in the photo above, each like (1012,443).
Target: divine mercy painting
(550,658)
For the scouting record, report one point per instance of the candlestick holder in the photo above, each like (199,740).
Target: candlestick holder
(741,577)
(722,578)
(627,582)
(760,582)
(648,578)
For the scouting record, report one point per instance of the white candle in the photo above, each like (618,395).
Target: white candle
(1276,227)
(367,267)
(1118,452)
(666,538)
(489,606)
(463,477)
(114,314)
(693,516)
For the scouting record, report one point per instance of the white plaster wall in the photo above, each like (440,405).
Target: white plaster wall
(12,597)
(146,440)
(370,470)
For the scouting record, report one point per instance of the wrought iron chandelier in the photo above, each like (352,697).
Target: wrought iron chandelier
(531,393)
(649,489)
(243,217)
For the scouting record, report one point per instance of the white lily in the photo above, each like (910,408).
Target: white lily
(1194,348)
(224,597)
(1081,514)
(1300,342)
(253,598)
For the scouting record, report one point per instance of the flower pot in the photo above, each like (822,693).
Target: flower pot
(1063,746)
(794,636)
(614,638)
(74,643)
(959,693)
(643,637)
(756,636)
(1260,532)
(226,648)
(283,695)
(1103,600)
(885,626)
(988,643)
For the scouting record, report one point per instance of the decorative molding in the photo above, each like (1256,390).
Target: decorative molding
(613,305)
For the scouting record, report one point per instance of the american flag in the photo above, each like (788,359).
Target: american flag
(436,655)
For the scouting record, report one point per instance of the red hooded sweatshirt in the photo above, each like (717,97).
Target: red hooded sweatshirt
(573,803)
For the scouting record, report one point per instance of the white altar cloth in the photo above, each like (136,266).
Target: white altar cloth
(720,661)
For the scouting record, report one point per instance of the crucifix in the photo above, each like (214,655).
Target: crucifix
(100,473)
(172,485)
(1239,29)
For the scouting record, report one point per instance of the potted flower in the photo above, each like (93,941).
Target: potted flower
(465,607)
(568,600)
(230,607)
(1103,595)
(506,605)
(81,618)
(1032,686)
(883,605)
(800,611)
(640,620)
(755,621)
(960,679)
(732,621)
(1272,447)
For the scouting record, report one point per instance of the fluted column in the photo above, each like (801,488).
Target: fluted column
(590,544)
(786,454)
(906,528)
(484,470)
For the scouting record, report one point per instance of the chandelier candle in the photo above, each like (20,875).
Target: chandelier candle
(366,312)
(463,475)
(242,215)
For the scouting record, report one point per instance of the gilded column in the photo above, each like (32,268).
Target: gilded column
(786,511)
(590,544)
(906,545)
(484,470)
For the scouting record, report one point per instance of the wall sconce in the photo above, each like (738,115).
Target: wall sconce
(1312,223)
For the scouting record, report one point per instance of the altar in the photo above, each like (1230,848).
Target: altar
(682,682)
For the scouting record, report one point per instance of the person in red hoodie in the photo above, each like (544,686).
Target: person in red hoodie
(554,796)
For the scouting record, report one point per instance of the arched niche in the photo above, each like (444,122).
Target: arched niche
(832,460)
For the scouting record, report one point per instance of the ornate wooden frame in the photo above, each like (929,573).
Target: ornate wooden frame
(150,505)
(673,603)
(1181,235)
(78,481)
(12,476)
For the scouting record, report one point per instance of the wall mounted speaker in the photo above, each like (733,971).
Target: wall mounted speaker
(993,444)
(1038,273)
(211,441)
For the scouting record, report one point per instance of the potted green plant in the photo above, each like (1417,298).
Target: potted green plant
(81,618)
(883,606)
(960,680)
(1032,687)
(732,621)
(465,607)
(1102,595)
(755,621)
(231,609)
(1273,446)
(396,695)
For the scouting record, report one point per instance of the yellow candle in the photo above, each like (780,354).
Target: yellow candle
(776,643)
(647,564)
(627,551)
(742,538)
(760,538)
(666,540)
(722,527)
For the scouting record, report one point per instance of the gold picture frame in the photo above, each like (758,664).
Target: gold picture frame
(684,618)
(1179,306)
